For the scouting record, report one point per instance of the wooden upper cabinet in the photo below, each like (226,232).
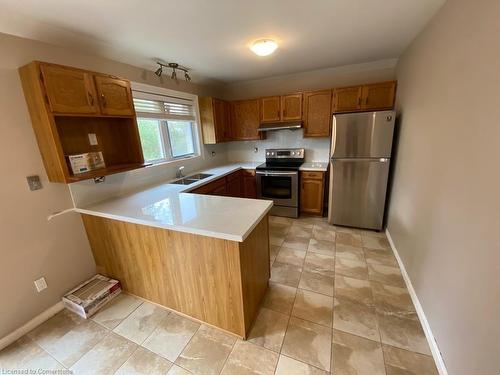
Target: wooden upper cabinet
(317,113)
(270,109)
(69,91)
(245,119)
(291,107)
(378,96)
(115,96)
(347,99)
(215,120)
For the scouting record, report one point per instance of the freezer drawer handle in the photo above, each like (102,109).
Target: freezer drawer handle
(378,160)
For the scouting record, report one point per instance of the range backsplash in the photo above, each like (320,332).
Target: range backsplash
(317,149)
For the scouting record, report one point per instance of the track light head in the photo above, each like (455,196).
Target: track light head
(174,74)
(159,71)
(187,76)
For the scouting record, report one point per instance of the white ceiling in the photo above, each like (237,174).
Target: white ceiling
(211,36)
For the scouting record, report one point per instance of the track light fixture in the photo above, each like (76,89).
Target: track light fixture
(174,67)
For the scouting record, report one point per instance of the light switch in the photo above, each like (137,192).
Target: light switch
(40,284)
(34,182)
(93,139)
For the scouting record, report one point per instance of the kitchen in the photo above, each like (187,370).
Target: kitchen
(253,212)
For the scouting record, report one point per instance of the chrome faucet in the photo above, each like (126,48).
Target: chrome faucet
(179,172)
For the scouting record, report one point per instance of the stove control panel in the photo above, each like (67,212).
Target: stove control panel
(285,153)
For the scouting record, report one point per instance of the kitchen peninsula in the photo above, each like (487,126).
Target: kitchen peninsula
(201,255)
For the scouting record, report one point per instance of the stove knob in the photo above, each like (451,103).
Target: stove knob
(272,153)
(293,152)
(268,153)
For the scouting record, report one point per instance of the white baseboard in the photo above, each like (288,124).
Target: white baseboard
(436,354)
(33,323)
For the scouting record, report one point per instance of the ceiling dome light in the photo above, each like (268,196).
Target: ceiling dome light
(264,47)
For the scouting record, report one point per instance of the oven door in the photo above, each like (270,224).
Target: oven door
(280,187)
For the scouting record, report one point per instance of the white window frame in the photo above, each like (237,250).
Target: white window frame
(158,93)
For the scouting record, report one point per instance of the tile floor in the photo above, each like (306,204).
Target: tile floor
(336,303)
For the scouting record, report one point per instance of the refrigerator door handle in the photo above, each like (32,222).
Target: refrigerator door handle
(334,136)
(377,160)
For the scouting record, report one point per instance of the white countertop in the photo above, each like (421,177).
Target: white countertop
(170,206)
(314,166)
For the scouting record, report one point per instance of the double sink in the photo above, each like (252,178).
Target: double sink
(191,179)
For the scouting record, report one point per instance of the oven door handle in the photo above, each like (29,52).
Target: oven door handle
(276,173)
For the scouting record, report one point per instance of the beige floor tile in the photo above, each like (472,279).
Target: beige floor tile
(372,233)
(383,257)
(280,230)
(67,337)
(207,351)
(269,329)
(356,355)
(273,252)
(308,342)
(296,243)
(403,333)
(286,274)
(372,242)
(142,362)
(386,275)
(279,298)
(290,256)
(316,282)
(349,252)
(141,323)
(351,268)
(391,299)
(297,230)
(323,264)
(106,357)
(353,289)
(118,309)
(322,233)
(403,362)
(349,239)
(248,359)
(314,307)
(356,318)
(321,247)
(341,229)
(280,220)
(171,336)
(24,354)
(176,370)
(290,366)
(276,240)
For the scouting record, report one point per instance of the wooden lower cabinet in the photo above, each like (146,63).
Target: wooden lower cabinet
(215,281)
(249,184)
(312,187)
(234,183)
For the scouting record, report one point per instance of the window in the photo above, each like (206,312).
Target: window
(167,126)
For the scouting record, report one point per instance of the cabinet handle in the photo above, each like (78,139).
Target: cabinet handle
(103,99)
(359,101)
(366,101)
(91,99)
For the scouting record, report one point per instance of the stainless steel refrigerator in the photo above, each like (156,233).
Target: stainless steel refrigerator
(360,156)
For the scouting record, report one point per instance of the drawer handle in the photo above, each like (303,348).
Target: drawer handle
(91,98)
(103,100)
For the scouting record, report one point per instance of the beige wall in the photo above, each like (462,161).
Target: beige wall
(313,80)
(30,246)
(444,214)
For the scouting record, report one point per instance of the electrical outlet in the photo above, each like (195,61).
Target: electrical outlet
(34,182)
(255,149)
(93,139)
(40,284)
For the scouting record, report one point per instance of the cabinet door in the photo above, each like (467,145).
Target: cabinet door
(69,90)
(347,99)
(270,109)
(311,196)
(249,184)
(220,191)
(291,107)
(115,96)
(378,96)
(245,119)
(234,186)
(220,120)
(317,113)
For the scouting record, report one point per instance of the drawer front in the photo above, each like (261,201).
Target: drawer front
(313,175)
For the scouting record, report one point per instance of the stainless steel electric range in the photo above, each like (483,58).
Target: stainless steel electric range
(278,180)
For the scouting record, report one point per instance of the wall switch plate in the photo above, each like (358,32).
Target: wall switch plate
(93,139)
(34,182)
(40,284)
